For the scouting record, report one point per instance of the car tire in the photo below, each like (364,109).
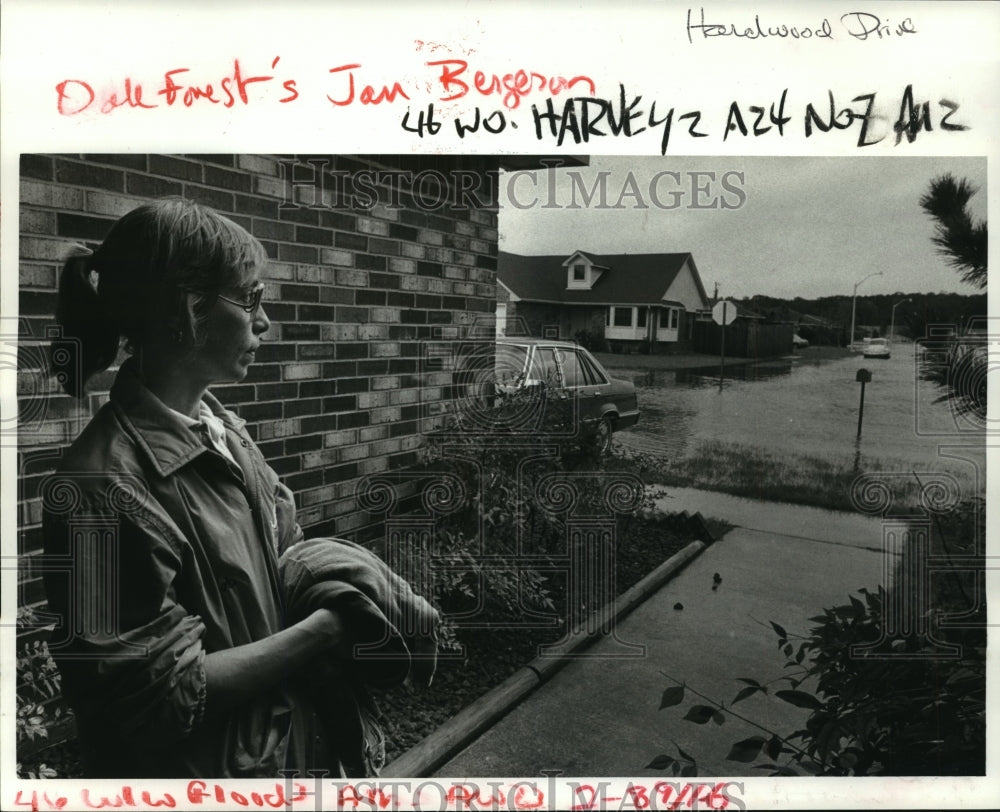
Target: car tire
(604,434)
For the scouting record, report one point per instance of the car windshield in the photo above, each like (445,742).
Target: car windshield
(509,364)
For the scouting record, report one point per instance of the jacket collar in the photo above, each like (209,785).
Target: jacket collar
(162,435)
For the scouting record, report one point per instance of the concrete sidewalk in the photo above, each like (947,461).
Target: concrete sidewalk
(598,715)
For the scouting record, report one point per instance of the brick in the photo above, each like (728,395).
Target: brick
(176,168)
(256,206)
(384,382)
(370,297)
(292,252)
(379,246)
(91,175)
(369,367)
(300,332)
(368,226)
(315,236)
(369,332)
(373,466)
(83,227)
(299,214)
(341,403)
(331,256)
(299,293)
(430,238)
(385,415)
(347,276)
(369,262)
(316,274)
(214,198)
(280,428)
(36,166)
(316,496)
(413,250)
(228,179)
(337,295)
(299,372)
(296,445)
(354,452)
(352,420)
(215,158)
(316,312)
(303,407)
(148,186)
(271,187)
(346,386)
(272,229)
(125,160)
(353,242)
(338,331)
(351,351)
(111,204)
(37,276)
(43,249)
(322,423)
(371,433)
(402,300)
(386,314)
(385,349)
(35,221)
(373,400)
(338,439)
(404,233)
(255,163)
(283,271)
(319,351)
(45,194)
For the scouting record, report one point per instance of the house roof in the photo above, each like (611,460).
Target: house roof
(625,279)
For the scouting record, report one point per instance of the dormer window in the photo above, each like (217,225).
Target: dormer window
(580,272)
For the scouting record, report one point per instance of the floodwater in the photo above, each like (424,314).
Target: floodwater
(808,408)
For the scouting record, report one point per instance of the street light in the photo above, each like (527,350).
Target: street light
(892,323)
(854,302)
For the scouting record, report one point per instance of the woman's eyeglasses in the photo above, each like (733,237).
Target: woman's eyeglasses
(251,306)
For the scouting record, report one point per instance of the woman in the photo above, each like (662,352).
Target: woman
(174,646)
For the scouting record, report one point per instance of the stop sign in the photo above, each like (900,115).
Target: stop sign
(724,313)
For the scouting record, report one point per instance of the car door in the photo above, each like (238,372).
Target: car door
(583,382)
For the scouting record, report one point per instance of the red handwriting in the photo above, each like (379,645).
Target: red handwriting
(523,795)
(512,86)
(369,94)
(663,795)
(74,96)
(36,801)
(198,793)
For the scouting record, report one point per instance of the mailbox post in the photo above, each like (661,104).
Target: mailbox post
(723,313)
(863,377)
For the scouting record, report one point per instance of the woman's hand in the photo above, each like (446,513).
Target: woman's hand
(235,675)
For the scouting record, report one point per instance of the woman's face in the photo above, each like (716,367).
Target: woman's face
(232,335)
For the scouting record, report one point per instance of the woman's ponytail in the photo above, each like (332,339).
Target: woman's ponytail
(89,339)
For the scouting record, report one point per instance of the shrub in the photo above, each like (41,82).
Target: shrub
(523,458)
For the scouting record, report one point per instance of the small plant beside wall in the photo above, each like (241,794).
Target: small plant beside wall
(41,720)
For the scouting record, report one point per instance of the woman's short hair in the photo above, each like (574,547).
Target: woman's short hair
(136,284)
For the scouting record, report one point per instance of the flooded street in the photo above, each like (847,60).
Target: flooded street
(801,407)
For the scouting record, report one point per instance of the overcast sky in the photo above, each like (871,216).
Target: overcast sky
(793,227)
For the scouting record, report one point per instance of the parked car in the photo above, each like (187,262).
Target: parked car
(798,341)
(877,348)
(559,369)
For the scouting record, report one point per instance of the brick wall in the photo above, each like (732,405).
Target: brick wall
(354,292)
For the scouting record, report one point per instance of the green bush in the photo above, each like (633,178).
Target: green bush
(517,457)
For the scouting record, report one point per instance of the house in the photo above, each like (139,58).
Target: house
(627,301)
